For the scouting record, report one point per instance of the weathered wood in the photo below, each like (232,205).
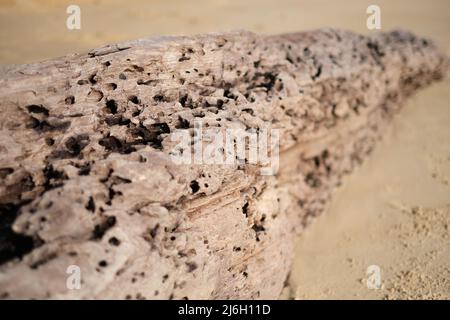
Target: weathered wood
(87,178)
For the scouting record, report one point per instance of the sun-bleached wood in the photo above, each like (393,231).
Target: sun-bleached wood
(86,176)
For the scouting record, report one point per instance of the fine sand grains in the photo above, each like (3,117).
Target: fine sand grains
(423,276)
(394,213)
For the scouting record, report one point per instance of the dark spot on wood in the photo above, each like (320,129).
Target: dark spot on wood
(184,58)
(248,110)
(90,205)
(194,186)
(34,108)
(151,136)
(117,119)
(134,99)
(158,98)
(103,264)
(258,228)
(318,72)
(183,100)
(84,170)
(4,172)
(45,126)
(47,258)
(312,180)
(182,123)
(70,100)
(245,209)
(101,228)
(111,86)
(114,241)
(53,178)
(77,143)
(141,82)
(111,105)
(93,78)
(49,141)
(138,68)
(113,144)
(191,266)
(12,244)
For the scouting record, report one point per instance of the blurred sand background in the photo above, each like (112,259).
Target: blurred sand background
(393,212)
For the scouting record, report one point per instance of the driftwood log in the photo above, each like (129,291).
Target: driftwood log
(86,176)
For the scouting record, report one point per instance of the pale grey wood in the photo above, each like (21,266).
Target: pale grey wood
(86,177)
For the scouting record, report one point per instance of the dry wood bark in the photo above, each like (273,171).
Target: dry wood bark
(87,179)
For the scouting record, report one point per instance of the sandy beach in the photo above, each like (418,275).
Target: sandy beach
(393,212)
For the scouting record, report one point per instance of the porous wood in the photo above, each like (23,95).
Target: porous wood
(87,178)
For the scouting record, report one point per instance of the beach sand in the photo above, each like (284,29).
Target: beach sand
(393,212)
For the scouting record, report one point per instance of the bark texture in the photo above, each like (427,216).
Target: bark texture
(86,176)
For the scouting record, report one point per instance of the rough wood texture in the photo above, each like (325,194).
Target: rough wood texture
(87,180)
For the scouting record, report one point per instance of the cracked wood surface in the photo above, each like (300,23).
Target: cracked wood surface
(86,176)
